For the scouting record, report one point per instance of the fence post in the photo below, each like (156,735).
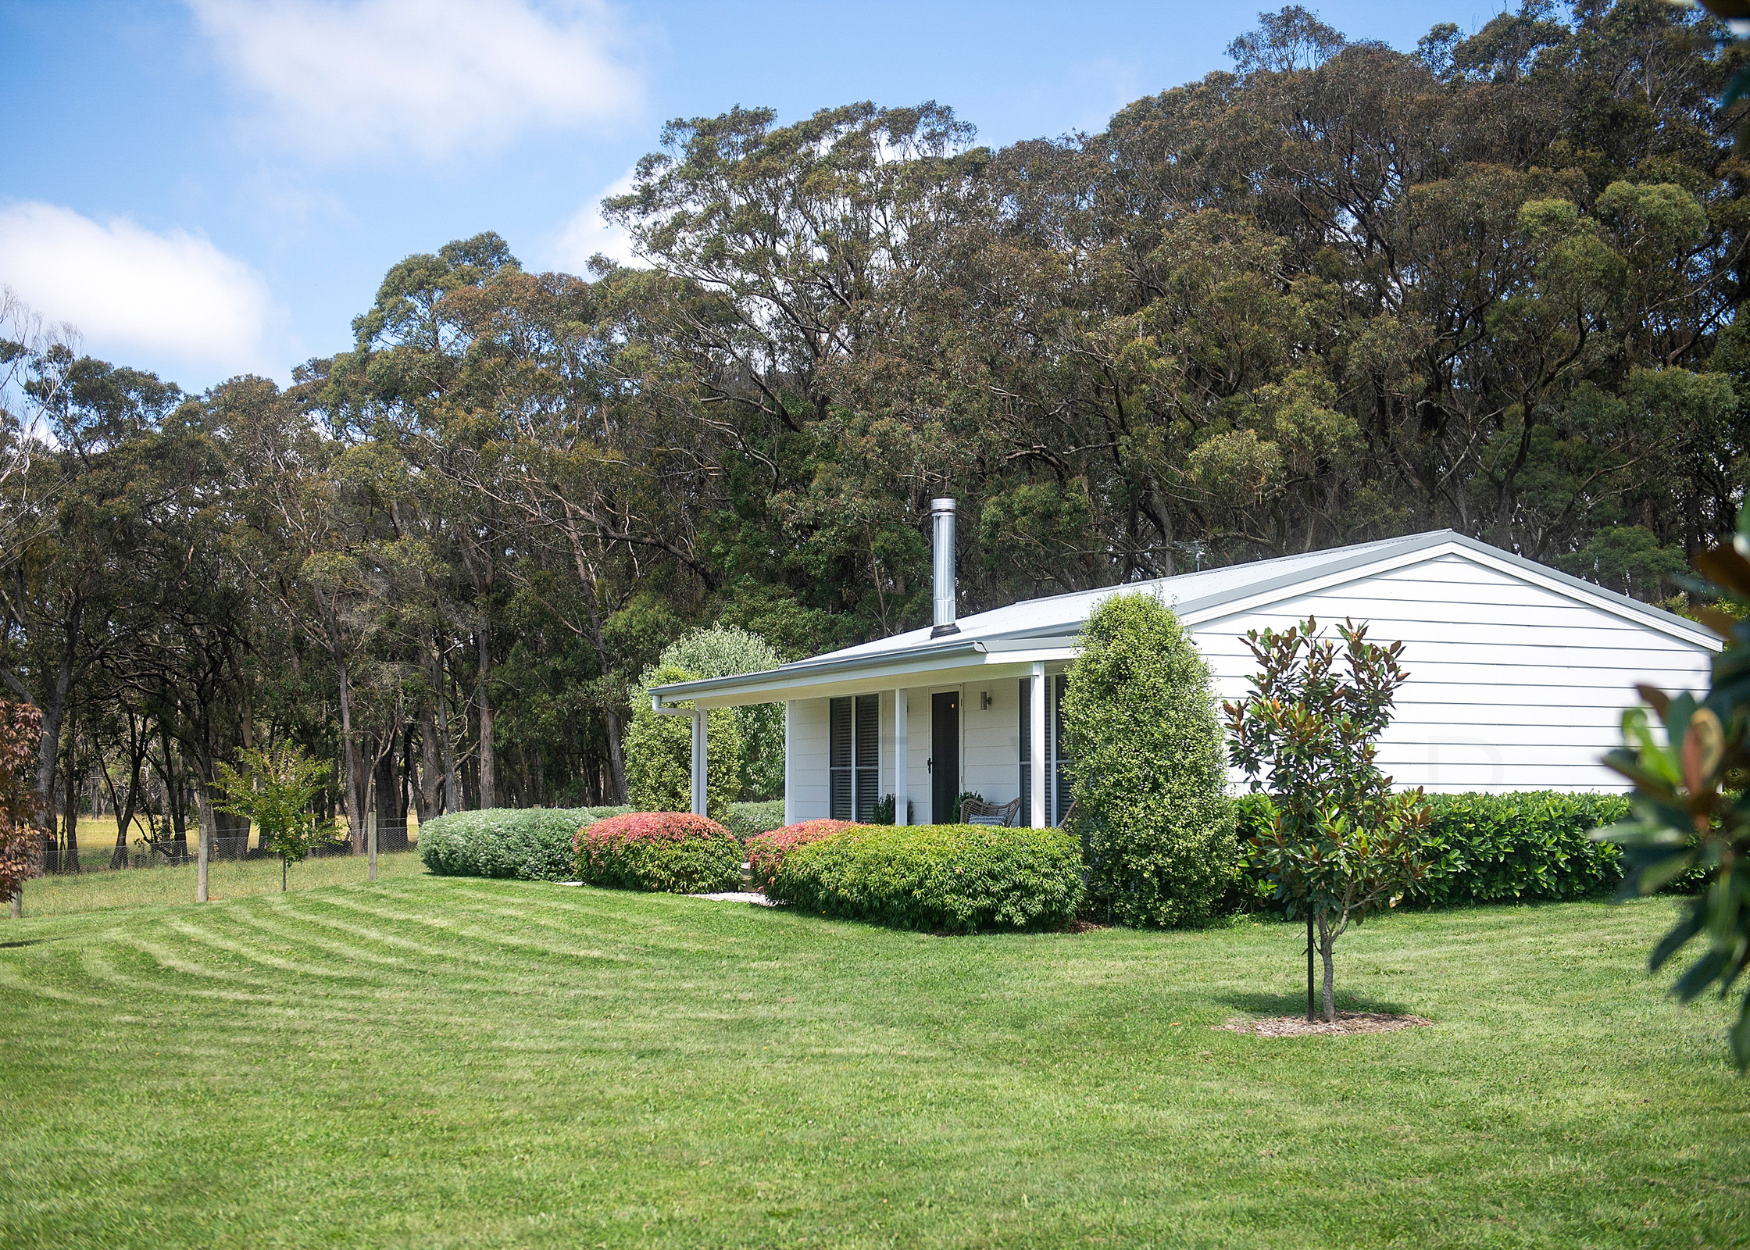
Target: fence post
(371,839)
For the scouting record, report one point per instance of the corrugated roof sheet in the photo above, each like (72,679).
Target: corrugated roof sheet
(1057,616)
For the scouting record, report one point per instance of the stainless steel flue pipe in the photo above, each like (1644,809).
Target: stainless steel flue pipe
(942,552)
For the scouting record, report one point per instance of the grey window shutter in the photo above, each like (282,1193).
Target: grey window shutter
(839,757)
(868,752)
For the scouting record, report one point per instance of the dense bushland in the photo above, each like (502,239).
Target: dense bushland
(668,852)
(954,878)
(532,844)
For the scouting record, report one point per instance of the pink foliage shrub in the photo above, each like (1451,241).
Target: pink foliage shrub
(674,852)
(766,851)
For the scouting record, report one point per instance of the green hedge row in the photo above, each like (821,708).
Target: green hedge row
(1492,848)
(528,843)
(959,878)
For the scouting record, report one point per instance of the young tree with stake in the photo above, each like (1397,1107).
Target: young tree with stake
(1341,844)
(273,788)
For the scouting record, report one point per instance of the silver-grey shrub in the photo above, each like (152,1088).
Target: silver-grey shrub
(526,843)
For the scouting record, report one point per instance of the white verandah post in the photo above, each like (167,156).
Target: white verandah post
(699,762)
(901,798)
(1036,744)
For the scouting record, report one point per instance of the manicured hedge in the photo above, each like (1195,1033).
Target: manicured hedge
(530,843)
(958,878)
(747,820)
(1491,848)
(665,852)
(766,851)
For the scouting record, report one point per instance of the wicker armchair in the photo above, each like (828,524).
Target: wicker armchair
(975,813)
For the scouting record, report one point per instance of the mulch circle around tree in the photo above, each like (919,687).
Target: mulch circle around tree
(1346,1022)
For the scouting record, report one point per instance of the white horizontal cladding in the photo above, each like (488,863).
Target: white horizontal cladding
(1556,628)
(883,674)
(1515,682)
(807,782)
(991,757)
(1460,568)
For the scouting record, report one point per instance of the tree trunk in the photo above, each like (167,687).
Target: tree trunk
(616,756)
(483,697)
(125,814)
(452,780)
(430,770)
(49,750)
(598,639)
(70,820)
(173,807)
(355,826)
(1327,952)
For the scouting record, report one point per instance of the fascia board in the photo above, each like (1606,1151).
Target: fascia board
(1596,596)
(871,677)
(1286,585)
(868,672)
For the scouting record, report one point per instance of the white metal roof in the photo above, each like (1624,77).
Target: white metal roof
(1046,628)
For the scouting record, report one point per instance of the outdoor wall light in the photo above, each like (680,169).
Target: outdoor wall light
(984,700)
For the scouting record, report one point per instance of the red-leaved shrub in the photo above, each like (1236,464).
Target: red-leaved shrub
(766,851)
(671,852)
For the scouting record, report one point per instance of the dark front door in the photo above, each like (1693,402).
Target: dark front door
(944,755)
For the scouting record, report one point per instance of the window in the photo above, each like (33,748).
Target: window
(854,756)
(1058,792)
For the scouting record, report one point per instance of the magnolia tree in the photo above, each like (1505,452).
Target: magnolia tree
(1342,844)
(1692,799)
(20,737)
(274,789)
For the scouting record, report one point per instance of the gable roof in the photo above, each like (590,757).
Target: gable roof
(1054,621)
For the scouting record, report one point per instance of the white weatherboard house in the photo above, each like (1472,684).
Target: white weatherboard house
(1518,675)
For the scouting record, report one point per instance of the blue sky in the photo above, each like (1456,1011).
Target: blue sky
(212,187)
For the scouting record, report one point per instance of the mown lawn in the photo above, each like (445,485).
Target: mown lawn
(434,1063)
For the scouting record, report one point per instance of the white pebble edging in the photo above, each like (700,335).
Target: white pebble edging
(734,896)
(740,896)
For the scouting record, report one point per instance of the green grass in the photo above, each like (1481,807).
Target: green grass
(60,894)
(442,1063)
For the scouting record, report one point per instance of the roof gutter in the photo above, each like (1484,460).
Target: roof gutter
(708,686)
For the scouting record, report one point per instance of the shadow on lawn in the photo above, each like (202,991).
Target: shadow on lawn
(6,946)
(1295,1004)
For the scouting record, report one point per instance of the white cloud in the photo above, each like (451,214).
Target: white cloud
(587,234)
(343,78)
(129,290)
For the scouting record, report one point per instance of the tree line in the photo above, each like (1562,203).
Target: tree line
(1339,293)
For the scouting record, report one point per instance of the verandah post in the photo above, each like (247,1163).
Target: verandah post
(901,799)
(699,765)
(1036,743)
